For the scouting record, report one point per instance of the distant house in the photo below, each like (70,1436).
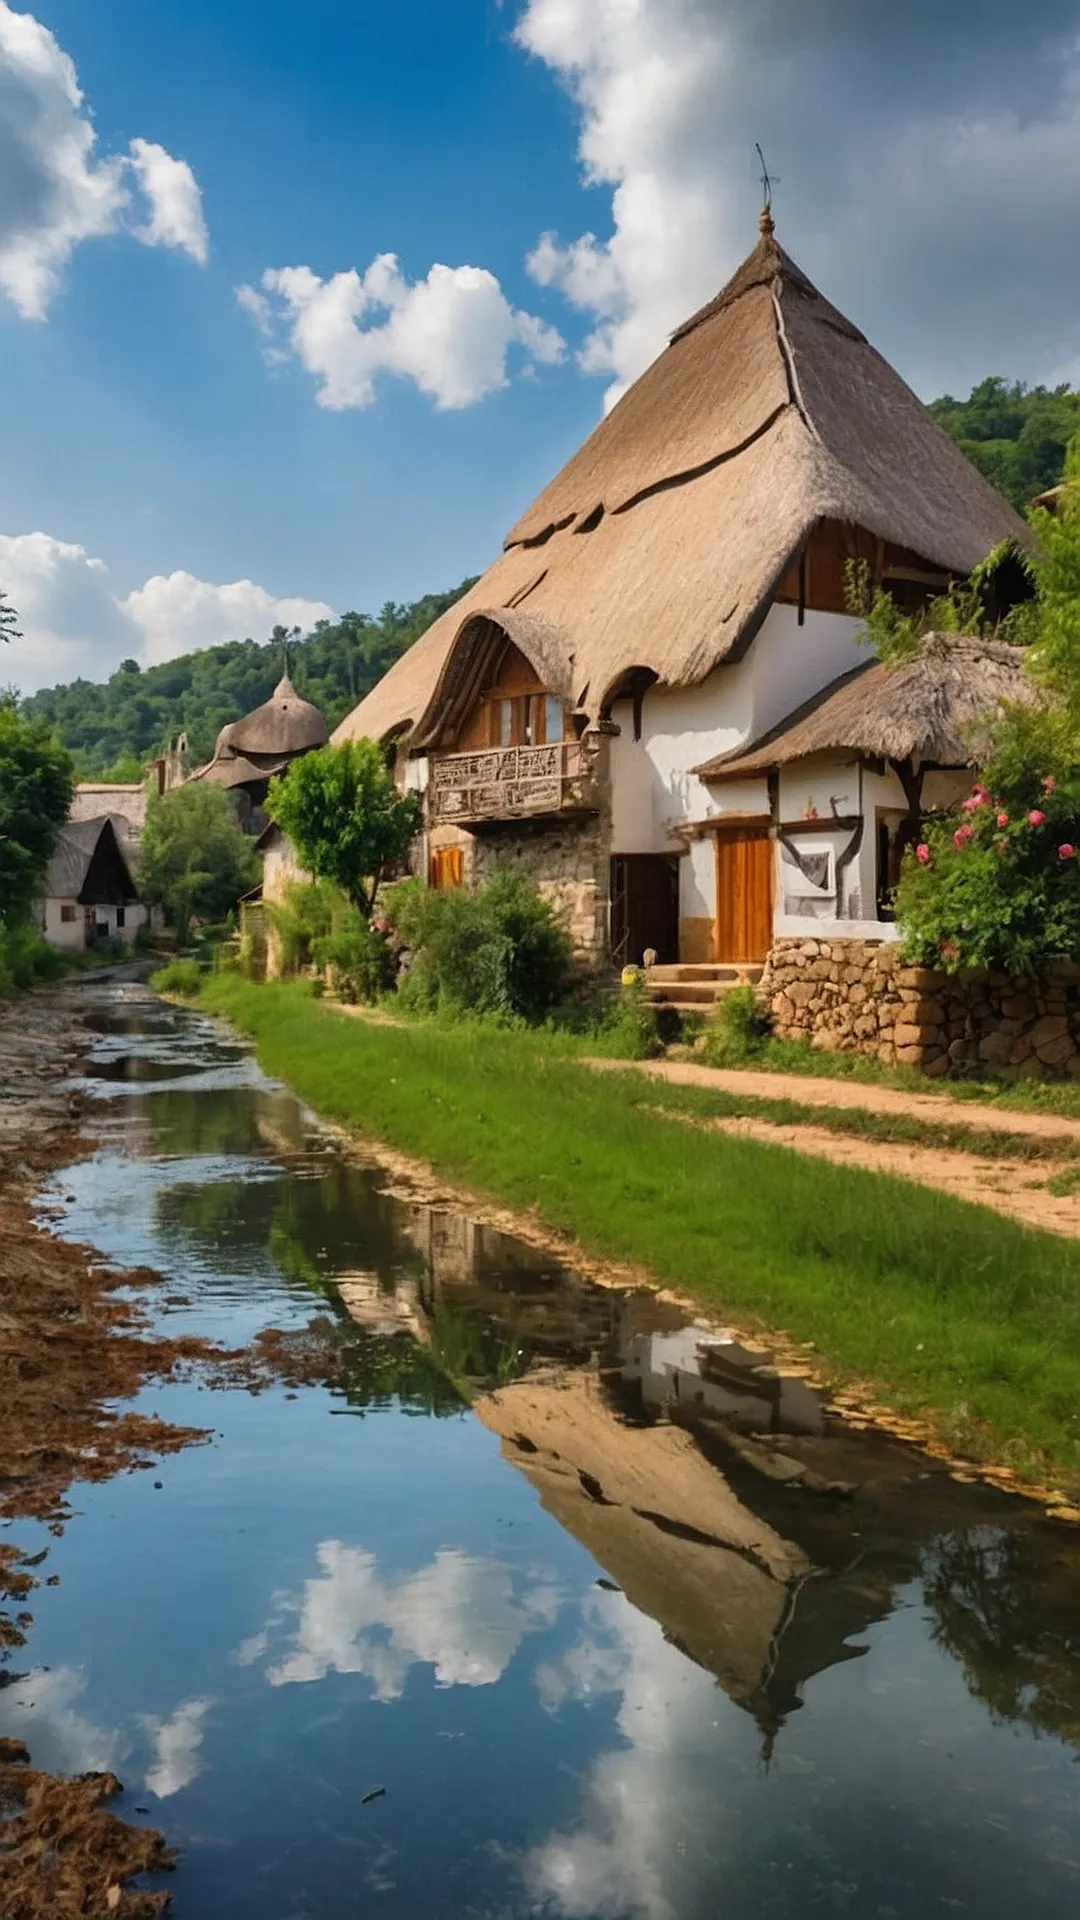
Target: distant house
(89,892)
(617,702)
(122,802)
(249,752)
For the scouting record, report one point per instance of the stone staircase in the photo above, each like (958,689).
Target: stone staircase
(696,988)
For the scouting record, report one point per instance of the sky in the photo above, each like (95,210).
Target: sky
(301,304)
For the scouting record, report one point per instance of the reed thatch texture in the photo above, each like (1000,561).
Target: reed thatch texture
(284,724)
(662,541)
(936,710)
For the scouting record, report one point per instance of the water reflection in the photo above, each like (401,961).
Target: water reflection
(696,1651)
(458,1615)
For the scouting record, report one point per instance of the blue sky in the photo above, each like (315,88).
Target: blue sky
(222,405)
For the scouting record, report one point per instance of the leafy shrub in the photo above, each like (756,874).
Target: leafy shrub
(499,950)
(182,977)
(304,916)
(356,954)
(621,1026)
(997,883)
(738,1031)
(26,960)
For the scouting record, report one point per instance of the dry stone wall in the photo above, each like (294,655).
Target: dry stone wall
(857,996)
(569,861)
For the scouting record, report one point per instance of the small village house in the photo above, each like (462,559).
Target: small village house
(249,752)
(606,703)
(89,891)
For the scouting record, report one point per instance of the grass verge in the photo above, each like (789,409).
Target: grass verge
(944,1306)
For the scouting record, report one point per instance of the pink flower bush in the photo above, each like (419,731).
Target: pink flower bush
(922,854)
(1003,819)
(961,838)
(1036,817)
(1066,850)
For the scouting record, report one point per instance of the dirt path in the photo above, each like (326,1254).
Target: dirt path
(809,1091)
(1016,1188)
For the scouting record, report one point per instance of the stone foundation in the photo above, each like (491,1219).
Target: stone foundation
(570,863)
(856,996)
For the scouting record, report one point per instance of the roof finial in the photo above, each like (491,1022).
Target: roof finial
(765,221)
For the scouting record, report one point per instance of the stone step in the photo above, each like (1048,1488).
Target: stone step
(695,993)
(696,972)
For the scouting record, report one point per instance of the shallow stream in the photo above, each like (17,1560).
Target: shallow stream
(548,1606)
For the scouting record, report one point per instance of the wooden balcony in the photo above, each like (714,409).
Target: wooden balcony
(512,783)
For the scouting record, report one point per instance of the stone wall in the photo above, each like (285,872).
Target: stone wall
(856,996)
(570,863)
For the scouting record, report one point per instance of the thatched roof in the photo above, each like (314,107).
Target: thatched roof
(284,724)
(78,844)
(936,708)
(662,540)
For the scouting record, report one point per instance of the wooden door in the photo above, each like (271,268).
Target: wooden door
(447,868)
(744,893)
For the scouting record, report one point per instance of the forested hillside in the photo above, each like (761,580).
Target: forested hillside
(1015,435)
(117,726)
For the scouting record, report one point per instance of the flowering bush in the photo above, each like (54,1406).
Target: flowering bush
(1002,888)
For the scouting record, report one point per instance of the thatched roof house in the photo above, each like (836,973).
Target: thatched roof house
(934,710)
(659,547)
(89,890)
(250,751)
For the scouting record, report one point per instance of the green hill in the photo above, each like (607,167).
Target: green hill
(115,727)
(1016,435)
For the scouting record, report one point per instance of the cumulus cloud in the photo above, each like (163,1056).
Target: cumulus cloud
(41,1707)
(458,1615)
(176,613)
(926,160)
(450,333)
(55,188)
(75,624)
(172,193)
(177,1747)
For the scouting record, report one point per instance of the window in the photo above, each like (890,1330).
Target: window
(527,720)
(447,867)
(119,918)
(68,913)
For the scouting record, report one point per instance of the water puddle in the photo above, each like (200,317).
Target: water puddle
(550,1605)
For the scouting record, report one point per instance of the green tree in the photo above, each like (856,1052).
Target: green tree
(9,619)
(1016,435)
(196,861)
(35,797)
(345,817)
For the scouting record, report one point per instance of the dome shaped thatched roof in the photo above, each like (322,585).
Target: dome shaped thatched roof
(284,724)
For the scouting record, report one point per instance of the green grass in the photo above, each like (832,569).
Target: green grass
(940,1304)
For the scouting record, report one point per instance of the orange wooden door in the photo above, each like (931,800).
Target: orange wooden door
(447,867)
(744,893)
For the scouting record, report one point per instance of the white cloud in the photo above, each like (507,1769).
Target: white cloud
(457,1615)
(177,1746)
(75,625)
(55,190)
(176,613)
(40,1710)
(176,215)
(450,333)
(927,160)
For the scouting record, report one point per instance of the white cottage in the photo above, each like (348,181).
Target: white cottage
(89,892)
(671,600)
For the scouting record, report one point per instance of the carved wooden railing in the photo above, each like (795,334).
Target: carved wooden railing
(511,783)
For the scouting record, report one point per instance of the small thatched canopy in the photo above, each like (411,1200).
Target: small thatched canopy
(934,710)
(659,546)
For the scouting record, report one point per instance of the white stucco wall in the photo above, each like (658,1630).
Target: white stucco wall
(654,793)
(653,789)
(70,935)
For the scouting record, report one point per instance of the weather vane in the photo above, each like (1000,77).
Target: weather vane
(768,180)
